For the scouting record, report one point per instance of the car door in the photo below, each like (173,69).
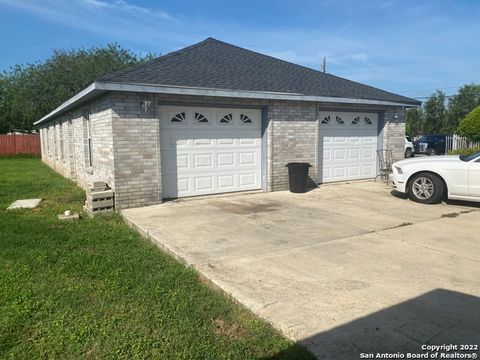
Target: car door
(474,178)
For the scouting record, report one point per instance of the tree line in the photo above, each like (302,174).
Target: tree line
(439,115)
(28,92)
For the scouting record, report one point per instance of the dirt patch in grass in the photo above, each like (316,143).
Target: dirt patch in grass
(233,331)
(88,250)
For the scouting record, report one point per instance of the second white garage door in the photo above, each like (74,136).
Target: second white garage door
(209,150)
(347,146)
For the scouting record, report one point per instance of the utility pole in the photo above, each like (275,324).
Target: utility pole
(324,65)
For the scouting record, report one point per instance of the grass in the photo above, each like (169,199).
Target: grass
(95,289)
(466,152)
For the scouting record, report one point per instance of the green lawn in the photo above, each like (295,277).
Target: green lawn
(96,289)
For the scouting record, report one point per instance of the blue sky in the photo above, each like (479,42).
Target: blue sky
(408,47)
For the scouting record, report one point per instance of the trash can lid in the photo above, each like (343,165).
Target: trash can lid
(295,164)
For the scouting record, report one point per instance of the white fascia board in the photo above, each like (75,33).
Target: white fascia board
(99,87)
(69,103)
(181,90)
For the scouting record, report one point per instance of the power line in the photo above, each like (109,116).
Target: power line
(415,62)
(436,88)
(427,97)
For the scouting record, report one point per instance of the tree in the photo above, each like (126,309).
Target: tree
(470,126)
(28,92)
(414,123)
(467,99)
(435,113)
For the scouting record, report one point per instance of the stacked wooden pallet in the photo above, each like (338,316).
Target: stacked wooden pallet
(99,199)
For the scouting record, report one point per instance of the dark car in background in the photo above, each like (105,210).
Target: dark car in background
(431,145)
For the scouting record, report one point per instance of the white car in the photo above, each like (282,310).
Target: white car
(428,180)
(409,148)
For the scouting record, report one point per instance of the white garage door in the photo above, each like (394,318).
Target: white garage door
(347,146)
(209,150)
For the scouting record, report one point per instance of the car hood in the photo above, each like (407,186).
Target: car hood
(428,159)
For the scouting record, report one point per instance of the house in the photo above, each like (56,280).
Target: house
(215,118)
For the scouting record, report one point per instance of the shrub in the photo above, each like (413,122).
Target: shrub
(470,126)
(466,152)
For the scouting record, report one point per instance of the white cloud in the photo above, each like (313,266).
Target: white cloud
(125,6)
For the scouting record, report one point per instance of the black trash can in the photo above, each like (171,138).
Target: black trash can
(298,176)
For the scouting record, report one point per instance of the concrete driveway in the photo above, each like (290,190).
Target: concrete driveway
(345,269)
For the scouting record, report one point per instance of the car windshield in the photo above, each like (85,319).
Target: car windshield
(469,158)
(425,138)
(408,138)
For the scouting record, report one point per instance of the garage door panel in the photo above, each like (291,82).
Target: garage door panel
(353,171)
(203,183)
(183,162)
(247,179)
(327,154)
(183,184)
(246,141)
(339,154)
(226,181)
(348,147)
(226,142)
(201,143)
(246,158)
(224,157)
(367,171)
(354,153)
(368,153)
(203,161)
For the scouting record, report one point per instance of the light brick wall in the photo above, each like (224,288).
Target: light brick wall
(394,132)
(293,134)
(136,151)
(72,164)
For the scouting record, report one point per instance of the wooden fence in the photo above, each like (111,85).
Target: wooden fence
(20,144)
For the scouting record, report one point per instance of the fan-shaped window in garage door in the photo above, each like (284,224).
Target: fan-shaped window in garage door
(356,120)
(367,121)
(227,119)
(179,118)
(326,120)
(200,118)
(245,119)
(339,120)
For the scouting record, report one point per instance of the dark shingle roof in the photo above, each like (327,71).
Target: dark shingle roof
(215,64)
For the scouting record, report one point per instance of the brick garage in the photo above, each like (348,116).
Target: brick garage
(278,112)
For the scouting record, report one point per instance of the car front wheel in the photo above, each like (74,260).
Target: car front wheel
(426,188)
(431,152)
(408,153)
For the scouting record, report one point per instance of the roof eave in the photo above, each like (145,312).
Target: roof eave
(88,93)
(100,87)
(270,95)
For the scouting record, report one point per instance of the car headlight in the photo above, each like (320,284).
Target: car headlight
(399,170)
